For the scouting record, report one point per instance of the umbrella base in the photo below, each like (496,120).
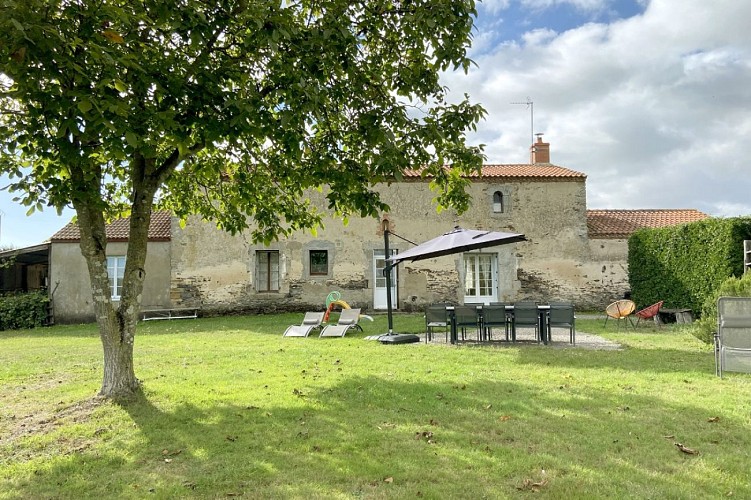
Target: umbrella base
(398,338)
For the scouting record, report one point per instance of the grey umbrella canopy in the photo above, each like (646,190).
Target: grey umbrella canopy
(456,241)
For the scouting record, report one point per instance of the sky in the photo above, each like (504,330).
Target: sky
(651,99)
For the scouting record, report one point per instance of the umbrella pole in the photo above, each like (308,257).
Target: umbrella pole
(387,273)
(390,337)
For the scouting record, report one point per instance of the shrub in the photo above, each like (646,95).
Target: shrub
(23,310)
(705,328)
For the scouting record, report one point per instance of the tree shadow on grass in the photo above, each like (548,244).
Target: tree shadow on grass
(381,438)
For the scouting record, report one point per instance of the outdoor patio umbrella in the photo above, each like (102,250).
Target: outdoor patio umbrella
(457,240)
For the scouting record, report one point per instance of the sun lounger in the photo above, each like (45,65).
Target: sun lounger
(348,319)
(312,321)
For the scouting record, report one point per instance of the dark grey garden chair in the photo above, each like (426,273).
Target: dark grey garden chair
(526,315)
(436,316)
(496,315)
(467,317)
(562,316)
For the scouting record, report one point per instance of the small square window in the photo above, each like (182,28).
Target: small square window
(319,262)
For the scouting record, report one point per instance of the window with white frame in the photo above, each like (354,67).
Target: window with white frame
(116,273)
(480,278)
(267,270)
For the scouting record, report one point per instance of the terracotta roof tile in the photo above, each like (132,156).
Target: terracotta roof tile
(519,171)
(118,229)
(623,223)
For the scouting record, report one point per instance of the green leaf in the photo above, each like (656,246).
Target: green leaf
(131,139)
(120,85)
(84,106)
(17,25)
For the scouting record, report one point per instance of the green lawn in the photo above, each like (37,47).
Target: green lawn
(231,408)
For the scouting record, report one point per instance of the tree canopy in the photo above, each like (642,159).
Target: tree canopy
(274,97)
(231,109)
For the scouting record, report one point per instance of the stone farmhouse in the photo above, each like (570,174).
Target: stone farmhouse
(571,253)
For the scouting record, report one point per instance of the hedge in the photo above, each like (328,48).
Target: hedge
(23,310)
(706,327)
(685,265)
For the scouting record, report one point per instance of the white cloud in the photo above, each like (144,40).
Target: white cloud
(582,5)
(654,108)
(494,6)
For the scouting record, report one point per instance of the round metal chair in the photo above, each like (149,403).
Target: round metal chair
(620,310)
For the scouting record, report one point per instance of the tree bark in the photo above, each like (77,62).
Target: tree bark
(119,376)
(117,322)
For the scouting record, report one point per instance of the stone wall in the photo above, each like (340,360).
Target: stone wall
(557,262)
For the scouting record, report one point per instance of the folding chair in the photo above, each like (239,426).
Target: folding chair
(733,338)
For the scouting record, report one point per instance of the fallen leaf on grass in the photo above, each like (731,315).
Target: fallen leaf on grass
(427,435)
(388,480)
(671,436)
(687,451)
(713,419)
(504,418)
(488,406)
(530,485)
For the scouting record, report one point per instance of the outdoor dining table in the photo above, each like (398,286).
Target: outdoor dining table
(542,322)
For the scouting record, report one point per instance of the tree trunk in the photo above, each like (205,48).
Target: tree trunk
(119,377)
(117,326)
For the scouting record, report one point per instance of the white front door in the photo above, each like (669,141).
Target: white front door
(480,278)
(379,290)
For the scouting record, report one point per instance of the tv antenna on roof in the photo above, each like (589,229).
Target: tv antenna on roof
(531,107)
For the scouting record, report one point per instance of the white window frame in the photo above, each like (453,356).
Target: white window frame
(116,274)
(480,275)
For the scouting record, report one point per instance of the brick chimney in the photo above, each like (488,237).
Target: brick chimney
(540,151)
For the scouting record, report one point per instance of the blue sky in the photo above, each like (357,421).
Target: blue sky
(649,98)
